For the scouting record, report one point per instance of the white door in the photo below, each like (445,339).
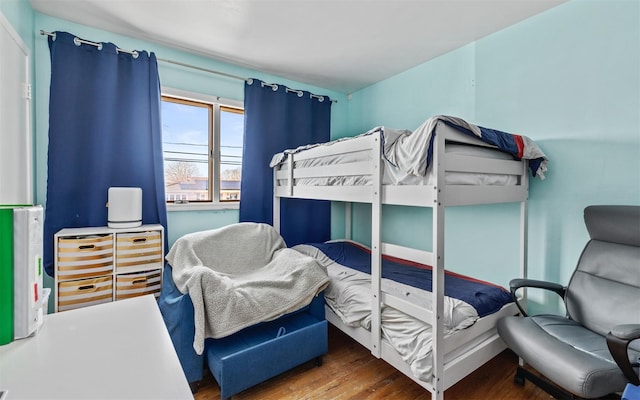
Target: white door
(15,133)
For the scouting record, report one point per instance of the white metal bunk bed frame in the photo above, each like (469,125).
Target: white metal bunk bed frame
(460,354)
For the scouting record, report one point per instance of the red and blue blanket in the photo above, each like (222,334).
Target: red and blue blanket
(519,146)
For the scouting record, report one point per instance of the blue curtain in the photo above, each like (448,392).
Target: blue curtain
(104,130)
(277,119)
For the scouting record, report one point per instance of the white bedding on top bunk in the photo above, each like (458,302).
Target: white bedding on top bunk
(406,155)
(349,296)
(393,175)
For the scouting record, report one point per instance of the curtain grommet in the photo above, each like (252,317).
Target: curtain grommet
(273,86)
(76,41)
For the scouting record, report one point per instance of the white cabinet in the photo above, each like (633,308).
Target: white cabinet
(100,265)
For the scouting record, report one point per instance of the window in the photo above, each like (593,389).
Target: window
(202,138)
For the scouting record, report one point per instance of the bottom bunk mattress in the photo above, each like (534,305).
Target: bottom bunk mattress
(349,296)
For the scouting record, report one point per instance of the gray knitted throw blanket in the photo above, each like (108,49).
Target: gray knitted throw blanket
(240,275)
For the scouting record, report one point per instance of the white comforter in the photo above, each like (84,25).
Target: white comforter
(407,150)
(349,296)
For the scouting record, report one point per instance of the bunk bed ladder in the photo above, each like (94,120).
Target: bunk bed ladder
(376,243)
(347,219)
(524,232)
(276,202)
(437,290)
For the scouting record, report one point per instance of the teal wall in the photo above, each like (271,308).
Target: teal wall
(20,14)
(568,78)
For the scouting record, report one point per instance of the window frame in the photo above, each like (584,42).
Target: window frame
(214,149)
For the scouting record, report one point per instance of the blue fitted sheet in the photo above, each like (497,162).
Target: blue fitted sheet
(485,297)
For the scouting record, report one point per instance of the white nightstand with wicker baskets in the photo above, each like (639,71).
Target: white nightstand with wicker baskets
(101,264)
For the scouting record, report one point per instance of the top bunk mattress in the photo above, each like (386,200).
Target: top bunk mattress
(407,155)
(394,175)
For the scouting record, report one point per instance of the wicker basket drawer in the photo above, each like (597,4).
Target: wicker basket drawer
(84,292)
(138,284)
(84,256)
(141,250)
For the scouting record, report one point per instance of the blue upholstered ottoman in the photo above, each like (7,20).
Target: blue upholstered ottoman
(263,351)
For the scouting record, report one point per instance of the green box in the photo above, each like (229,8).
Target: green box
(6,274)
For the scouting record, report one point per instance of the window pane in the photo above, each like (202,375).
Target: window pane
(185,136)
(231,135)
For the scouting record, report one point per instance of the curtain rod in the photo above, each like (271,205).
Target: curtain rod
(79,41)
(203,69)
(134,53)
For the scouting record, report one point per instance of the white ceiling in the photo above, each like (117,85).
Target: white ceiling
(342,45)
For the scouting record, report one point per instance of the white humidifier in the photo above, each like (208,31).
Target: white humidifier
(125,207)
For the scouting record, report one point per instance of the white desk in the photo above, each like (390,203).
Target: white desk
(118,350)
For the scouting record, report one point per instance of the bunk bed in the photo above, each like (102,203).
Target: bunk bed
(445,162)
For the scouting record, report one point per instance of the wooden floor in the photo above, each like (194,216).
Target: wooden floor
(350,372)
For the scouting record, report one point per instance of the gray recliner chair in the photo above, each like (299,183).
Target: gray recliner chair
(593,350)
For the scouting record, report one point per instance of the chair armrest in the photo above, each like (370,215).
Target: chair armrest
(178,315)
(618,342)
(516,284)
(626,331)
